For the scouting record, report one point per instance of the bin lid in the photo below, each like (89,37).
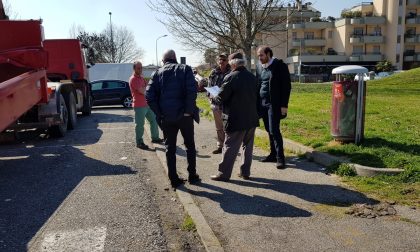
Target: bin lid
(350,69)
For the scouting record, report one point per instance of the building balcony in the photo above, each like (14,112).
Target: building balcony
(366,57)
(414,20)
(368,39)
(311,25)
(413,57)
(317,58)
(412,39)
(368,20)
(413,3)
(309,42)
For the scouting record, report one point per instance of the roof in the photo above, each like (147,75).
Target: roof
(350,69)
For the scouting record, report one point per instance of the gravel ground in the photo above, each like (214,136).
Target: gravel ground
(89,191)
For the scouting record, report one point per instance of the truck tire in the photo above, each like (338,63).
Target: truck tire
(61,129)
(72,110)
(127,102)
(87,106)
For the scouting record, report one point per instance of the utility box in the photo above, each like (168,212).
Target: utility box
(348,104)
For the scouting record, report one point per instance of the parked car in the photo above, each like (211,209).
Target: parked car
(111,92)
(381,75)
(366,76)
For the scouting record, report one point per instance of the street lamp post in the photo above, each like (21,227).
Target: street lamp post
(157,63)
(300,51)
(112,39)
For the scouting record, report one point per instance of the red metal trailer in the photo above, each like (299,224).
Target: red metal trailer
(27,61)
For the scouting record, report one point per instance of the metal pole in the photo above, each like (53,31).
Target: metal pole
(300,51)
(112,39)
(157,63)
(359,111)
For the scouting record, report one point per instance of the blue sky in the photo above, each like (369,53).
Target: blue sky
(59,16)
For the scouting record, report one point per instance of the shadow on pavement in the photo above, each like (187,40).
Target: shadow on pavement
(240,204)
(35,181)
(317,193)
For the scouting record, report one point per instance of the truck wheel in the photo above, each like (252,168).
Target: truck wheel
(61,129)
(87,106)
(72,110)
(127,102)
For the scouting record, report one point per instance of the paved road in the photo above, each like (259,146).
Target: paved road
(89,191)
(297,209)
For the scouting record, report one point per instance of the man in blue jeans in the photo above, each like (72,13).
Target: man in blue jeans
(172,95)
(141,109)
(275,86)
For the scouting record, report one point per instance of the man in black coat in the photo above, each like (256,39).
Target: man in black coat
(172,94)
(275,86)
(238,95)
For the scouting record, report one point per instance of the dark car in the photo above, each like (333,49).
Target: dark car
(111,92)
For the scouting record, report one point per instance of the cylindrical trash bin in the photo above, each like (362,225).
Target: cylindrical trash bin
(344,102)
(348,105)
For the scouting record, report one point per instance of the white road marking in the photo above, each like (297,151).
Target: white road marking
(13,158)
(91,239)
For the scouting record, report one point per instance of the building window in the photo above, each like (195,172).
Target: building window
(401,2)
(399,39)
(357,50)
(376,49)
(399,20)
(397,58)
(358,31)
(309,35)
(294,35)
(330,33)
(378,31)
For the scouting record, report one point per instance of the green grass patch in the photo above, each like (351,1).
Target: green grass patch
(204,105)
(188,224)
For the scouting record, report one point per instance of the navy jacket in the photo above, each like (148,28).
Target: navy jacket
(172,92)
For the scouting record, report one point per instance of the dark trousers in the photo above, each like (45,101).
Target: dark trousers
(170,131)
(244,140)
(271,118)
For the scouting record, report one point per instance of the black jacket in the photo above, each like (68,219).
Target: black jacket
(238,95)
(172,92)
(280,84)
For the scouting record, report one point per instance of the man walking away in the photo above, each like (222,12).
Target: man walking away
(275,87)
(141,109)
(172,95)
(216,79)
(238,96)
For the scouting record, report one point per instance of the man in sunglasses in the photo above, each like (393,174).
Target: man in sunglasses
(216,79)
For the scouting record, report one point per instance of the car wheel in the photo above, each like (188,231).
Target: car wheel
(127,102)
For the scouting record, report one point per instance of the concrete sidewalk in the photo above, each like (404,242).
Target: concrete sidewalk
(297,209)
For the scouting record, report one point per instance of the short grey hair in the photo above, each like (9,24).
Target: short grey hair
(169,55)
(238,62)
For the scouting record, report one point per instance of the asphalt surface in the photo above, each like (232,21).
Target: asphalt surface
(296,209)
(89,191)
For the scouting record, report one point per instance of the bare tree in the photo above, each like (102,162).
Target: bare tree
(226,24)
(10,14)
(123,46)
(76,30)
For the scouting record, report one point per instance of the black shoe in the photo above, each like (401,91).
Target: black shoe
(194,179)
(142,146)
(269,159)
(177,183)
(157,141)
(219,178)
(281,165)
(244,177)
(217,151)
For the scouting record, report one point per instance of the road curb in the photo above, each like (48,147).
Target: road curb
(207,236)
(326,159)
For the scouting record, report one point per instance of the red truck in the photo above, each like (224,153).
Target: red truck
(43,83)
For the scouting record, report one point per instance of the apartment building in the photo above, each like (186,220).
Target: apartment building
(368,33)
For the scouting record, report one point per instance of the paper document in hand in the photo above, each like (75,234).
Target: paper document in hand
(214,91)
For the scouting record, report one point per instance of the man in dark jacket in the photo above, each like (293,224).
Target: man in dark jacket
(216,79)
(171,94)
(275,85)
(238,95)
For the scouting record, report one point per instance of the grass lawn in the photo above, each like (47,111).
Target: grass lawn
(392,131)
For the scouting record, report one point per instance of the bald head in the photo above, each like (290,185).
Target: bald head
(169,55)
